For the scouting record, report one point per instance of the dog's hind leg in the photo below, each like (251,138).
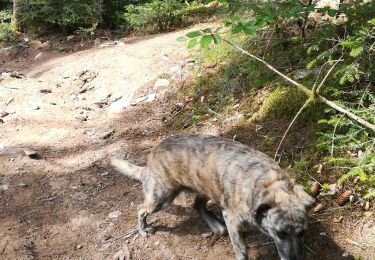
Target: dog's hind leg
(213,222)
(235,234)
(157,197)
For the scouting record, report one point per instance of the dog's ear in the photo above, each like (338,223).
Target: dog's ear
(261,211)
(305,198)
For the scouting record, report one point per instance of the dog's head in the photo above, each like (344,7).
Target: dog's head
(280,213)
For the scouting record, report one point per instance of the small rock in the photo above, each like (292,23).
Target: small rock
(79,247)
(190,60)
(161,83)
(38,56)
(34,107)
(114,214)
(6,75)
(107,134)
(73,187)
(4,186)
(97,41)
(151,97)
(176,70)
(81,118)
(104,174)
(45,91)
(23,185)
(30,153)
(367,205)
(206,235)
(3,113)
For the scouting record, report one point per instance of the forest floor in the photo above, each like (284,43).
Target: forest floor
(76,109)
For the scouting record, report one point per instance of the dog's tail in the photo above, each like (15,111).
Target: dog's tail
(128,169)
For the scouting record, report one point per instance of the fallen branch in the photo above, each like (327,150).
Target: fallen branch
(126,235)
(306,90)
(307,103)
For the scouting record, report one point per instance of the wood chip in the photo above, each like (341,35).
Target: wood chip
(3,113)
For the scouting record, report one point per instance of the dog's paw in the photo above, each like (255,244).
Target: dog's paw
(146,231)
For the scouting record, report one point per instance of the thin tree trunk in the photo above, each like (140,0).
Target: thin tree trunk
(15,23)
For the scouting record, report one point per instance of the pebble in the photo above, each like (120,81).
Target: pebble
(31,153)
(114,214)
(161,83)
(207,234)
(38,56)
(45,91)
(34,107)
(79,247)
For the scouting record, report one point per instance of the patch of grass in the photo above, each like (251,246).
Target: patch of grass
(7,36)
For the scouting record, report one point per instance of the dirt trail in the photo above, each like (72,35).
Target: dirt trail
(76,111)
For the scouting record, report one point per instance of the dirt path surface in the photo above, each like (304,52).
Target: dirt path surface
(76,111)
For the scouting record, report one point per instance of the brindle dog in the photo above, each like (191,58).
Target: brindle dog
(248,185)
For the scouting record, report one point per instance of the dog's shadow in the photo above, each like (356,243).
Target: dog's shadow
(317,241)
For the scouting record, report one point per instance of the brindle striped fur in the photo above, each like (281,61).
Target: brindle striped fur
(248,185)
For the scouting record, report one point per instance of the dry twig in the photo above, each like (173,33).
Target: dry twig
(306,90)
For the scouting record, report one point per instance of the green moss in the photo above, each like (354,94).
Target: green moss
(282,102)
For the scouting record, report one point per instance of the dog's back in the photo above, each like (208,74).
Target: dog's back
(218,168)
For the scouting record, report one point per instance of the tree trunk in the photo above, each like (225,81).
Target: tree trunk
(16,8)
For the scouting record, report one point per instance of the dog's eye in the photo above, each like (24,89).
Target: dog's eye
(282,234)
(300,234)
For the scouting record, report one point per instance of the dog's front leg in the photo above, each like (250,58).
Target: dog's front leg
(235,234)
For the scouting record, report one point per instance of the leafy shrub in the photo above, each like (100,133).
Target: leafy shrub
(155,16)
(7,36)
(67,15)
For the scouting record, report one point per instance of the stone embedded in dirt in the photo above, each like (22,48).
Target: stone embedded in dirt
(82,118)
(367,205)
(333,189)
(114,214)
(190,60)
(31,153)
(207,234)
(4,186)
(23,185)
(6,74)
(34,107)
(97,41)
(45,91)
(78,247)
(38,56)
(3,113)
(151,97)
(161,83)
(106,134)
(175,70)
(118,106)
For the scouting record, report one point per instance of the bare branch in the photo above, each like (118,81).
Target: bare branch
(306,90)
(307,103)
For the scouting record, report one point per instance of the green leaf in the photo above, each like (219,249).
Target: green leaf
(206,41)
(217,38)
(192,43)
(311,64)
(310,8)
(356,51)
(207,30)
(182,39)
(237,28)
(193,34)
(249,30)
